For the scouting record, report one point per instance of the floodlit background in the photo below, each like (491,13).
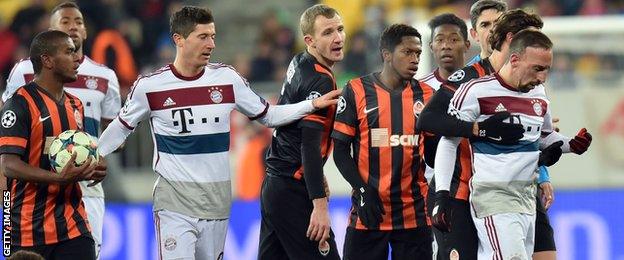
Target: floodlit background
(259,38)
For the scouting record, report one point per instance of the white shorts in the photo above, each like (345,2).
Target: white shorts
(508,236)
(184,237)
(95,213)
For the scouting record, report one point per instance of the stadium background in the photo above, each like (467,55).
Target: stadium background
(586,87)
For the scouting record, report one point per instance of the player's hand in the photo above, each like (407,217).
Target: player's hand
(71,173)
(99,173)
(319,227)
(550,155)
(369,207)
(329,99)
(442,211)
(494,129)
(581,142)
(548,195)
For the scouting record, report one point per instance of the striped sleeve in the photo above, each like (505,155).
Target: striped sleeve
(136,108)
(15,129)
(346,116)
(464,105)
(321,86)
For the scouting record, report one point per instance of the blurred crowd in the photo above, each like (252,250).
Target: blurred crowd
(144,27)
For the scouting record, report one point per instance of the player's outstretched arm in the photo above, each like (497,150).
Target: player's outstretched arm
(113,137)
(14,167)
(435,119)
(285,114)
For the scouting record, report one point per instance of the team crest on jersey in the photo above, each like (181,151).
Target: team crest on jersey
(216,95)
(8,119)
(170,244)
(537,107)
(418,107)
(313,95)
(78,117)
(342,105)
(457,76)
(91,83)
(291,71)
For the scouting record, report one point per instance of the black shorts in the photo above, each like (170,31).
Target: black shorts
(286,209)
(79,248)
(544,234)
(374,244)
(463,240)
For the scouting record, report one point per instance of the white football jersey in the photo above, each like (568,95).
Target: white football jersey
(433,79)
(503,180)
(190,123)
(98,89)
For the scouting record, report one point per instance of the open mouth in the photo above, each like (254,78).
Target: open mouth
(336,49)
(206,55)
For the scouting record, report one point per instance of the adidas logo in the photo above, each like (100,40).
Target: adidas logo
(169,102)
(500,108)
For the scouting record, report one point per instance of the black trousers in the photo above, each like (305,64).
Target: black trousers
(79,248)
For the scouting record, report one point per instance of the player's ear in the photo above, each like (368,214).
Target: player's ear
(509,37)
(473,34)
(178,40)
(309,41)
(386,55)
(46,61)
(467,43)
(514,58)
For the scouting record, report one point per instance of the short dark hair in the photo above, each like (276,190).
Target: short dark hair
(529,38)
(393,35)
(512,21)
(478,7)
(448,18)
(64,5)
(183,22)
(25,255)
(306,22)
(46,42)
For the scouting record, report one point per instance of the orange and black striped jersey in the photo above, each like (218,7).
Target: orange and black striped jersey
(463,165)
(41,213)
(306,79)
(380,124)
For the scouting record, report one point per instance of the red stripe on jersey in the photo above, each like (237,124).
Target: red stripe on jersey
(48,217)
(195,96)
(465,161)
(362,156)
(409,123)
(315,118)
(344,128)
(385,156)
(15,141)
(527,106)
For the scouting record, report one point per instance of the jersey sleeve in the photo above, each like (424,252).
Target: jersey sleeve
(136,108)
(15,127)
(247,101)
(112,100)
(462,76)
(464,105)
(319,87)
(15,80)
(346,116)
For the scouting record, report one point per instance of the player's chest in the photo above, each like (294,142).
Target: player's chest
(194,110)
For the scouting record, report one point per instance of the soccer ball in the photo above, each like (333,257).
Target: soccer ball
(69,142)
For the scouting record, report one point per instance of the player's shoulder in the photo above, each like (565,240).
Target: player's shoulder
(463,75)
(155,75)
(74,98)
(97,68)
(481,85)
(427,77)
(309,69)
(23,66)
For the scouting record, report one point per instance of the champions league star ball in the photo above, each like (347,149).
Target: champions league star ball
(69,142)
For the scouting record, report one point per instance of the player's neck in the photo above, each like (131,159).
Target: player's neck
(391,79)
(497,59)
(51,84)
(508,78)
(185,69)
